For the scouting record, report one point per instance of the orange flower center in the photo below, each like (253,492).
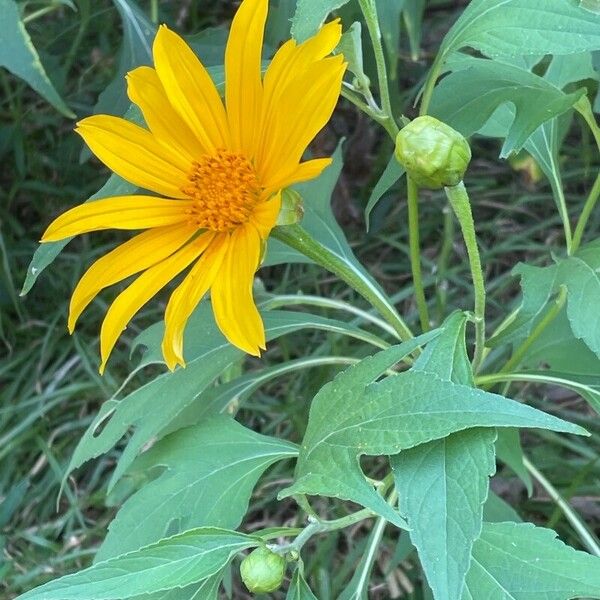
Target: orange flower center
(225,191)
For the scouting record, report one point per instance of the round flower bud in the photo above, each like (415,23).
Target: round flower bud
(262,571)
(433,154)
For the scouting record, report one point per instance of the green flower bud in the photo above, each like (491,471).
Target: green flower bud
(292,209)
(262,571)
(433,154)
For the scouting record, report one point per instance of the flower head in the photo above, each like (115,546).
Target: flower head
(217,170)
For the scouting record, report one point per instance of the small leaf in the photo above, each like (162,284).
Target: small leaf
(310,15)
(523,27)
(173,562)
(19,56)
(209,473)
(497,510)
(391,174)
(510,452)
(299,589)
(522,562)
(467,98)
(351,47)
(413,21)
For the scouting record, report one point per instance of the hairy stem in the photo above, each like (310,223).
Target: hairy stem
(459,200)
(298,238)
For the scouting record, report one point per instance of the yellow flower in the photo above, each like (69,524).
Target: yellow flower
(218,170)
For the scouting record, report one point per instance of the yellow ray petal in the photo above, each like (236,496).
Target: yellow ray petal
(302,111)
(148,284)
(231,293)
(120,212)
(145,89)
(291,61)
(190,89)
(265,214)
(135,255)
(302,172)
(134,153)
(186,297)
(243,86)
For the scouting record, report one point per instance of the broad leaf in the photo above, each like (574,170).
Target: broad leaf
(524,27)
(299,589)
(177,561)
(497,510)
(310,15)
(209,473)
(442,485)
(522,562)
(149,409)
(510,452)
(19,56)
(467,98)
(207,589)
(352,416)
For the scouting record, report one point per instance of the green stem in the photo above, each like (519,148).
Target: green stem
(550,315)
(372,110)
(299,239)
(432,77)
(587,538)
(369,11)
(442,263)
(588,207)
(459,200)
(154,11)
(415,251)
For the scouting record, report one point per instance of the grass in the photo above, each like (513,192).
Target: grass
(49,386)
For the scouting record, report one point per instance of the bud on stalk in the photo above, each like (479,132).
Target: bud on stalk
(434,155)
(262,571)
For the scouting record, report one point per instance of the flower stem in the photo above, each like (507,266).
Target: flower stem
(299,239)
(459,200)
(588,207)
(415,251)
(552,313)
(369,11)
(432,77)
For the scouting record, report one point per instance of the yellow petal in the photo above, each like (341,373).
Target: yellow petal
(120,212)
(243,86)
(148,284)
(302,172)
(134,153)
(190,89)
(135,255)
(291,61)
(145,89)
(231,293)
(301,112)
(186,297)
(265,215)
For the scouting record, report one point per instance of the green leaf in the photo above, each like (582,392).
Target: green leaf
(136,50)
(579,274)
(145,412)
(523,27)
(207,589)
(310,15)
(173,562)
(413,21)
(467,98)
(336,472)
(299,589)
(209,472)
(510,452)
(391,174)
(442,485)
(351,47)
(497,510)
(352,416)
(389,23)
(522,562)
(19,56)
